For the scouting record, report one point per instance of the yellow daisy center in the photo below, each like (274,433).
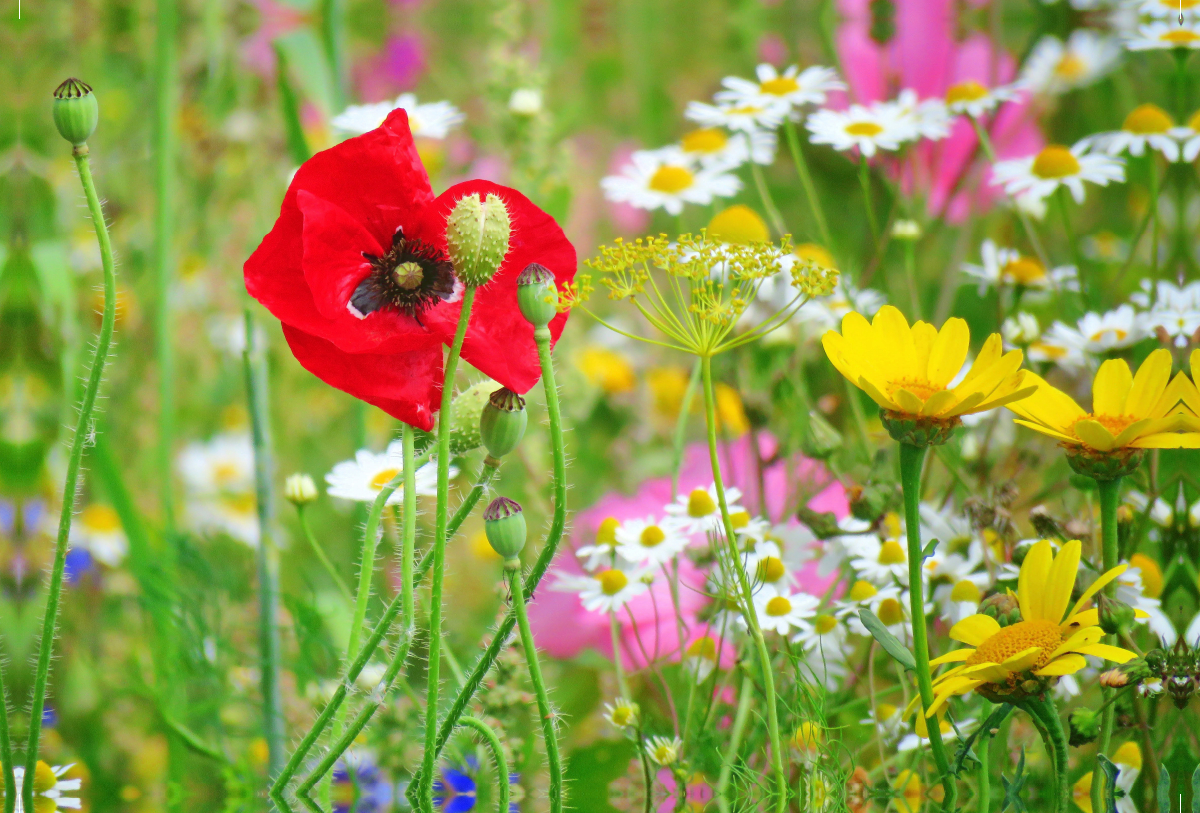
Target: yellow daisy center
(607,369)
(968,91)
(917,386)
(621,716)
(739,519)
(664,754)
(225,473)
(778,606)
(890,553)
(965,591)
(1070,67)
(606,534)
(1152,576)
(706,140)
(1128,754)
(808,736)
(1148,119)
(1055,161)
(884,711)
(652,537)
(738,224)
(1117,333)
(780,86)
(745,110)
(890,611)
(612,581)
(383,478)
(816,254)
(1024,270)
(825,624)
(771,570)
(700,504)
(1179,36)
(1175,5)
(1050,351)
(100,519)
(671,180)
(863,128)
(703,647)
(1040,633)
(862,590)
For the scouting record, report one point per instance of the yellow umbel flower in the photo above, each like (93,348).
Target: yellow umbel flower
(1128,411)
(907,371)
(1009,663)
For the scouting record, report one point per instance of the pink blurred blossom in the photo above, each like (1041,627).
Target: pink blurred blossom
(699,792)
(772,48)
(396,68)
(275,20)
(925,56)
(626,219)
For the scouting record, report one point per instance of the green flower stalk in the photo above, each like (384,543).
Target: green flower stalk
(1110,497)
(83,430)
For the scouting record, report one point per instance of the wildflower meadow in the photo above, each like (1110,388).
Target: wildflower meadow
(652,406)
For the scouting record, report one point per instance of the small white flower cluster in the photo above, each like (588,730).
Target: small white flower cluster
(1032,179)
(361,479)
(1055,67)
(1163,25)
(885,125)
(430,120)
(218,478)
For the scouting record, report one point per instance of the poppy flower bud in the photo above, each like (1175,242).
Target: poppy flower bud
(477,232)
(1116,616)
(537,296)
(1085,726)
(75,111)
(300,489)
(464,417)
(504,525)
(502,424)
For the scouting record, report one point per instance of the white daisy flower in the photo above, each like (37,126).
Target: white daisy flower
(973,99)
(869,129)
(429,120)
(1161,513)
(233,514)
(739,117)
(224,464)
(1099,333)
(1161,34)
(622,713)
(919,737)
(48,788)
(1020,330)
(826,312)
(1169,9)
(890,604)
(98,530)
(698,511)
(1132,590)
(605,590)
(1172,310)
(1060,345)
(926,118)
(604,551)
(716,147)
(769,574)
(836,549)
(879,561)
(667,179)
(788,90)
(650,541)
(1188,136)
(1007,266)
(781,613)
(362,478)
(664,750)
(887,721)
(1148,125)
(700,658)
(825,635)
(1055,67)
(1042,174)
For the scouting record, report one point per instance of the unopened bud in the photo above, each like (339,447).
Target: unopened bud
(300,489)
(502,422)
(870,502)
(1116,616)
(477,233)
(822,440)
(504,525)
(75,111)
(465,415)
(1003,607)
(823,524)
(537,296)
(1084,726)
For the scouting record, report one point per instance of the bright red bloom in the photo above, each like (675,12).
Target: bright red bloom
(356,270)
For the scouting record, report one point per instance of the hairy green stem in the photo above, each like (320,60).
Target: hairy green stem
(493,742)
(985,769)
(1056,743)
(1109,493)
(740,717)
(747,596)
(810,191)
(323,557)
(912,458)
(545,713)
(81,438)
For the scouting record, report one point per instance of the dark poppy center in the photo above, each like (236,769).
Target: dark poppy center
(411,278)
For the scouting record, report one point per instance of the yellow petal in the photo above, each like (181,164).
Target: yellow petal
(908,402)
(1168,440)
(1094,434)
(993,348)
(968,404)
(1045,430)
(1130,433)
(974,629)
(1031,583)
(952,657)
(1048,406)
(1149,384)
(1066,665)
(1022,660)
(893,333)
(876,394)
(1111,653)
(1083,637)
(1057,596)
(924,335)
(949,351)
(1017,394)
(939,402)
(1087,618)
(1095,587)
(1111,387)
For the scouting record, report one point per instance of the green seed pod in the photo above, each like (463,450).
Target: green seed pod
(537,296)
(822,440)
(464,416)
(1116,616)
(75,111)
(502,423)
(477,233)
(504,525)
(1084,725)
(1002,607)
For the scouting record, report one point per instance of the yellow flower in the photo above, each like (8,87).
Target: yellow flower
(731,415)
(908,370)
(738,224)
(910,791)
(1047,642)
(607,369)
(1128,411)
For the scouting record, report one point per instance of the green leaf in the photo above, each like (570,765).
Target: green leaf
(306,58)
(929,549)
(890,643)
(289,105)
(1013,788)
(992,722)
(1109,789)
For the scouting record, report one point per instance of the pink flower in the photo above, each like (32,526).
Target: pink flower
(275,20)
(397,67)
(626,219)
(923,55)
(699,792)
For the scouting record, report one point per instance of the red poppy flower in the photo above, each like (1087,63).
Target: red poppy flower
(356,270)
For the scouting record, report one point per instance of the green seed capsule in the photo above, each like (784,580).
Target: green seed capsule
(477,233)
(502,422)
(537,296)
(464,416)
(504,525)
(75,111)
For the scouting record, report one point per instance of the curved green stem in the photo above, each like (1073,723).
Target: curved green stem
(502,781)
(83,430)
(768,202)
(1109,493)
(810,191)
(745,695)
(323,557)
(545,713)
(864,181)
(912,458)
(747,597)
(433,684)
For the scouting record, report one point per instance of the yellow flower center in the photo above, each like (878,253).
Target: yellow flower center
(1050,351)
(863,128)
(739,519)
(1152,576)
(890,553)
(1176,5)
(652,537)
(778,606)
(225,473)
(816,254)
(917,386)
(965,591)
(825,624)
(664,754)
(1040,633)
(780,86)
(1148,119)
(1055,161)
(745,110)
(43,778)
(968,91)
(606,534)
(1117,333)
(100,519)
(383,478)
(890,612)
(771,570)
(1179,36)
(1070,67)
(808,736)
(621,716)
(607,369)
(705,140)
(884,711)
(700,504)
(1115,424)
(671,180)
(862,590)
(1128,754)
(612,581)
(1024,270)
(738,224)
(703,647)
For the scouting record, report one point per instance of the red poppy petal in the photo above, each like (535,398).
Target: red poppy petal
(499,342)
(407,386)
(334,244)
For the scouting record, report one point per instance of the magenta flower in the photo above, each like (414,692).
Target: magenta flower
(397,67)
(275,20)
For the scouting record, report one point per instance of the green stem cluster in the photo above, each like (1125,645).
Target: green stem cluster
(1109,493)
